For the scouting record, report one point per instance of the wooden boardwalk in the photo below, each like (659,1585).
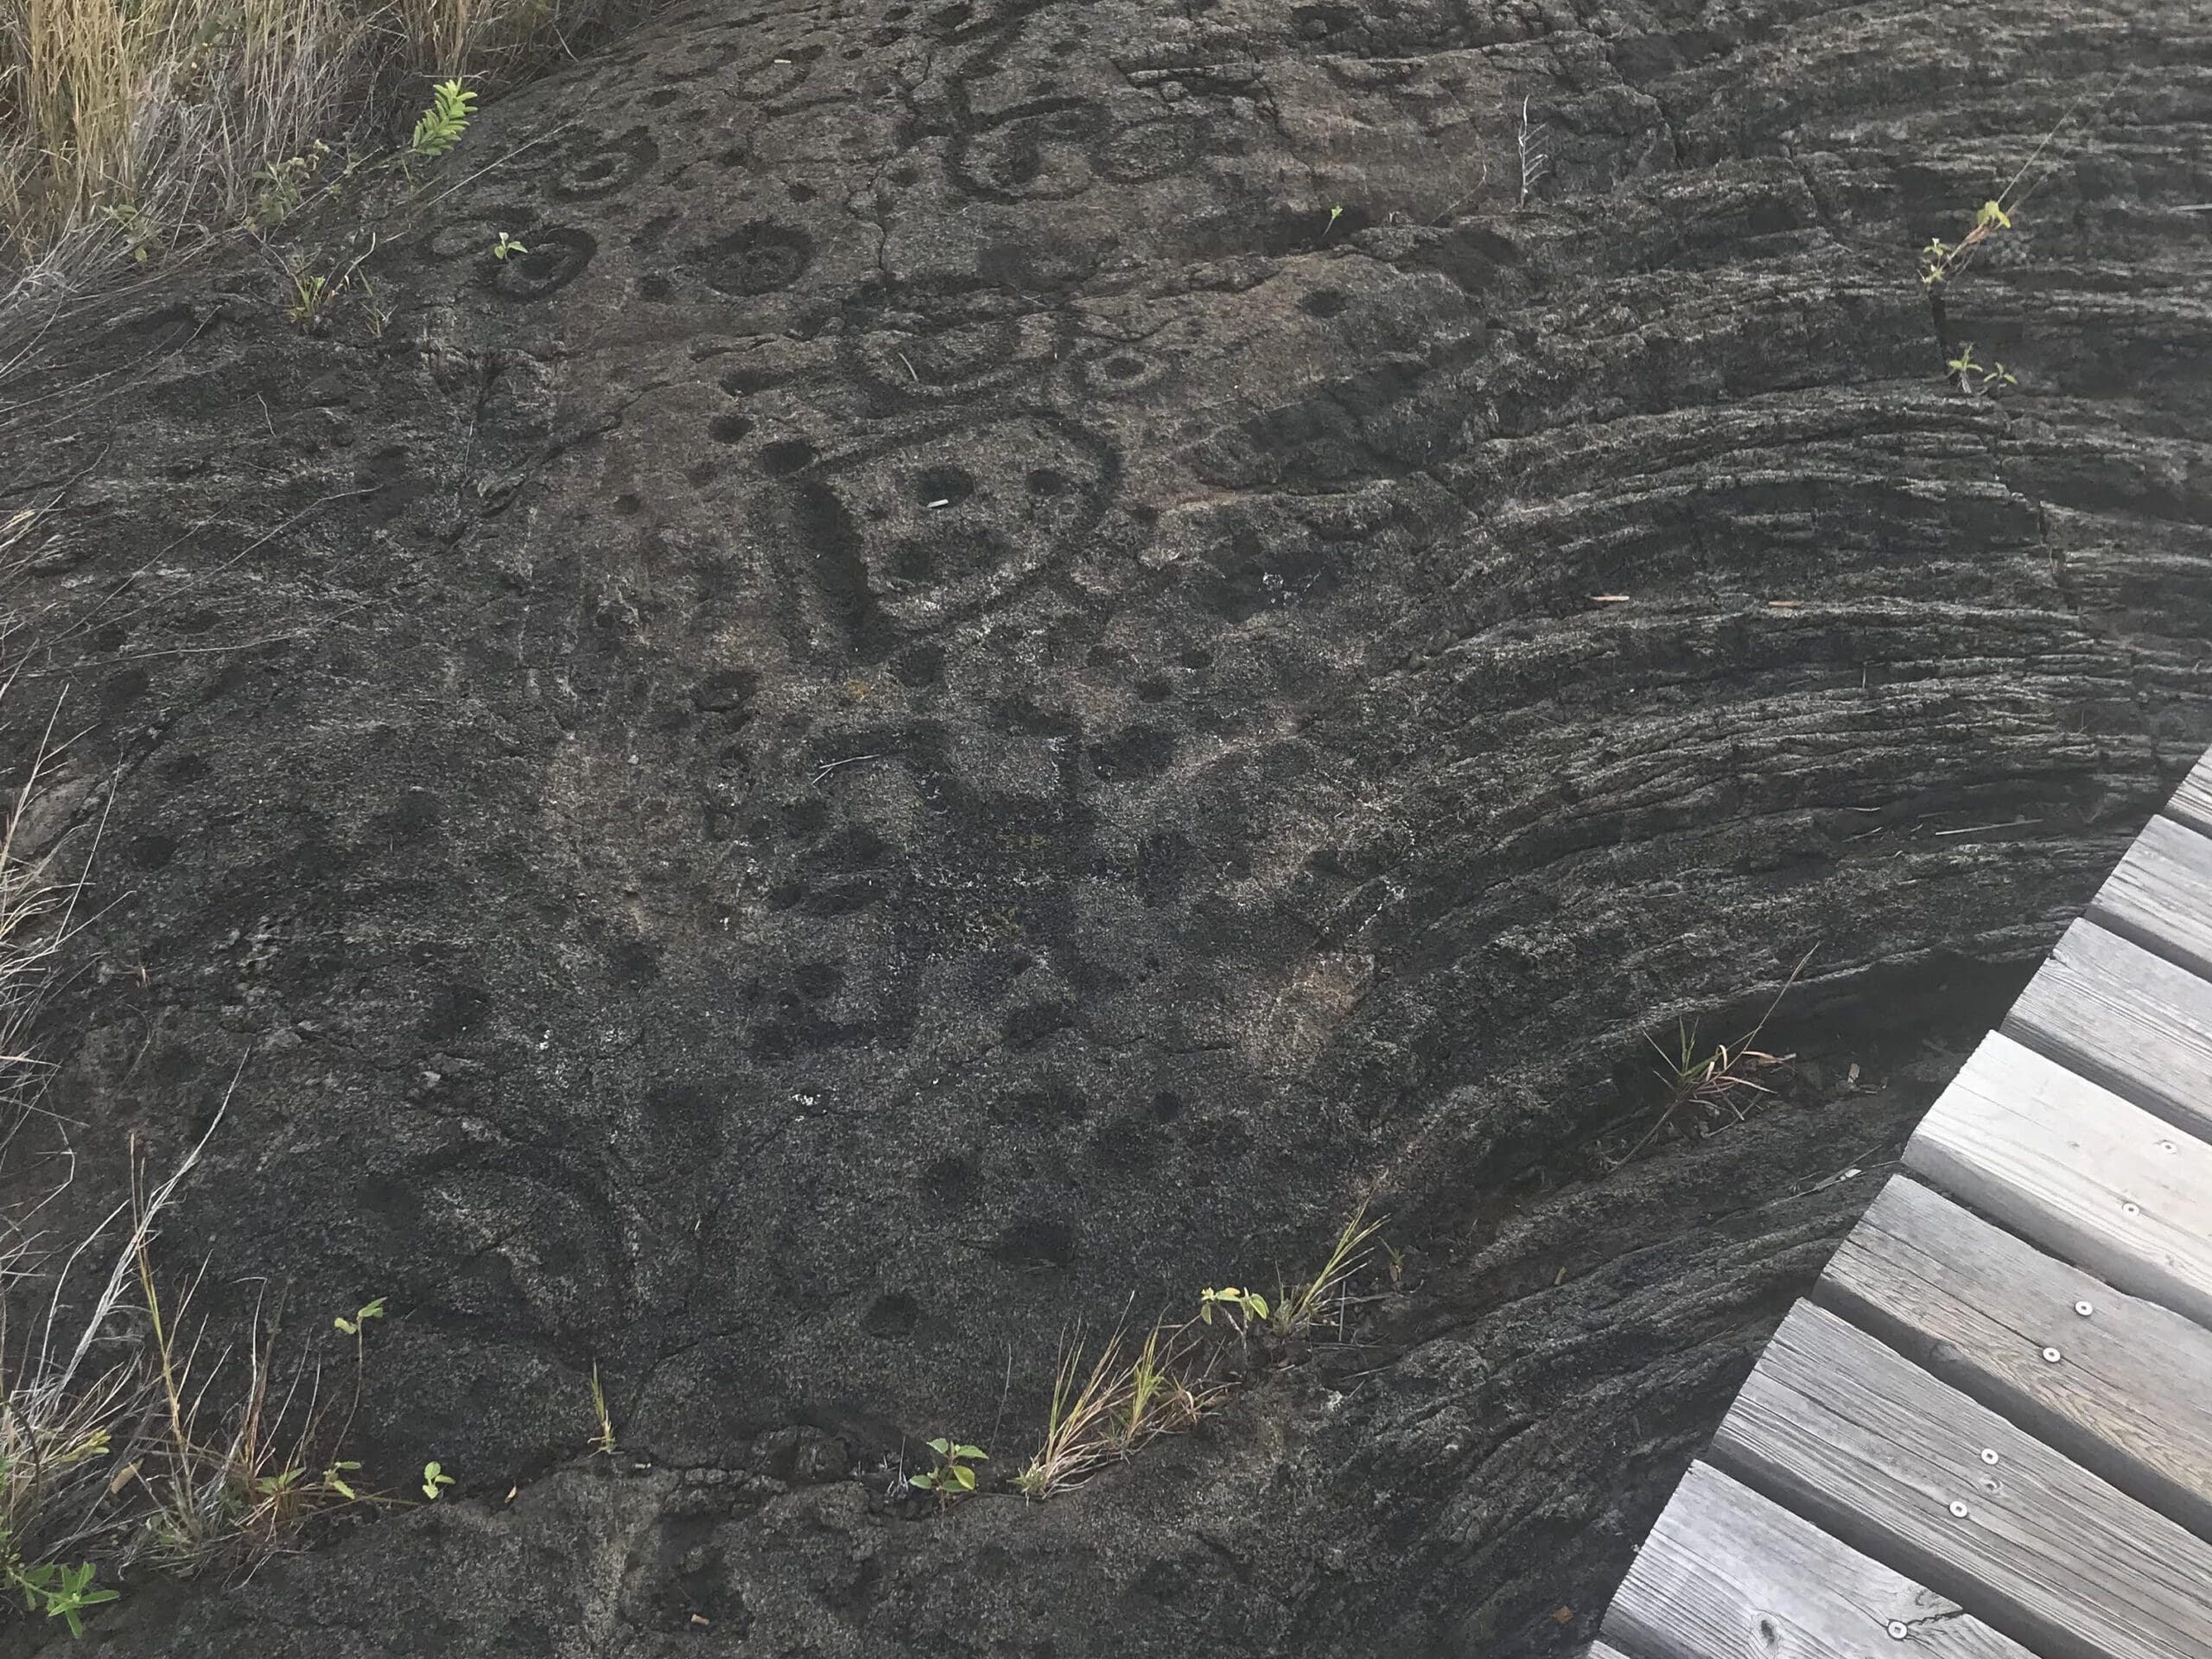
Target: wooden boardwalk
(1988,1433)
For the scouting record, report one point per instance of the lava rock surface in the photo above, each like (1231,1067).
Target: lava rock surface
(957,701)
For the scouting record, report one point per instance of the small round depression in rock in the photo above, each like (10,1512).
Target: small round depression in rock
(554,258)
(786,456)
(940,488)
(761,258)
(604,171)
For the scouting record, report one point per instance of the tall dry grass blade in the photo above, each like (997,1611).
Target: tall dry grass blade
(1297,1311)
(1079,1428)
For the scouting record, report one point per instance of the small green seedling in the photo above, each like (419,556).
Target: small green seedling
(434,1480)
(334,1480)
(376,309)
(1974,377)
(282,186)
(276,1485)
(506,245)
(1335,213)
(137,230)
(1940,261)
(310,291)
(442,124)
(951,1473)
(362,1315)
(1240,1307)
(61,1593)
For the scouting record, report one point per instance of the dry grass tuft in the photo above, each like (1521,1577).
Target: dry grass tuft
(1079,1430)
(1302,1308)
(38,908)
(1104,1409)
(1710,1088)
(1106,1405)
(126,1435)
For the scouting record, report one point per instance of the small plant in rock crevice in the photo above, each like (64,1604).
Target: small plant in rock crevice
(1301,1308)
(951,1473)
(310,288)
(1087,1406)
(1941,261)
(312,293)
(1161,1396)
(1976,378)
(1239,1308)
(283,185)
(58,1592)
(1710,1087)
(1106,1402)
(603,1441)
(138,232)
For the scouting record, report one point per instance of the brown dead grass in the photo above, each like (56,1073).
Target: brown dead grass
(129,1432)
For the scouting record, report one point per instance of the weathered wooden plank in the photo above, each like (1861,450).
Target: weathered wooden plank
(1727,1575)
(2160,897)
(2131,1399)
(2192,802)
(2123,1018)
(1603,1651)
(1857,1439)
(2077,1170)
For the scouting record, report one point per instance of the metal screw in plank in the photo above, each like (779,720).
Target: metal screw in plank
(2052,1356)
(1989,1454)
(2084,1309)
(1959,1511)
(1900,1630)
(2131,1209)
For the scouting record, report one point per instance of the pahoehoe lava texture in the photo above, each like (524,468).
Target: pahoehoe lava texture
(951,704)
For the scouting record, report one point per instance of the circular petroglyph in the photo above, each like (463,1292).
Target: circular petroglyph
(761,258)
(555,258)
(1125,371)
(947,515)
(1150,150)
(1040,263)
(777,75)
(458,238)
(606,169)
(1037,153)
